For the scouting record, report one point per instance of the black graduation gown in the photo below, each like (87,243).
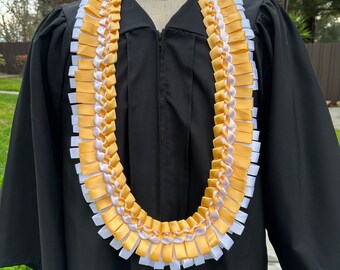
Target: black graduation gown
(165,89)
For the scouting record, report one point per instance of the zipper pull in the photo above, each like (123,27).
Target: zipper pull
(159,38)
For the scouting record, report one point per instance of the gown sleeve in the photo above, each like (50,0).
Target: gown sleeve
(301,156)
(30,197)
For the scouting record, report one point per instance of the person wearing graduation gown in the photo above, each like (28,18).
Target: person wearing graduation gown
(165,89)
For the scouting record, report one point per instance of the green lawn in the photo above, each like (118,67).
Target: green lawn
(338,134)
(20,267)
(7,105)
(10,84)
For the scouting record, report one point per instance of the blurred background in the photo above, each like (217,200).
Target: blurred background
(318,22)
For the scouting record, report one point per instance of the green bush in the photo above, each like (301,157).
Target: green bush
(300,22)
(20,62)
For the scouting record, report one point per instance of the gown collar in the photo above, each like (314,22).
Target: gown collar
(188,18)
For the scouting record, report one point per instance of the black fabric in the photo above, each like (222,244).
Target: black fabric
(165,88)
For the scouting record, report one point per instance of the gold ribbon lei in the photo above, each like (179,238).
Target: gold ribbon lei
(236,147)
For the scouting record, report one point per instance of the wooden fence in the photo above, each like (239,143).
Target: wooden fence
(10,51)
(325,58)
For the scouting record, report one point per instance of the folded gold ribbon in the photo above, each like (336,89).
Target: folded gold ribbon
(98,149)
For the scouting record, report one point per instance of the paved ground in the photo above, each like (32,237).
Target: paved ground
(335,114)
(9,92)
(4,75)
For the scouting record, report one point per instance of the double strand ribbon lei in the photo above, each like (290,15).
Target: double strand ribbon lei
(236,143)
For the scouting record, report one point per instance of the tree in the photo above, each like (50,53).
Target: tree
(20,18)
(16,20)
(43,7)
(314,9)
(327,29)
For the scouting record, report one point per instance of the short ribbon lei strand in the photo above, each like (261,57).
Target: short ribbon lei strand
(236,147)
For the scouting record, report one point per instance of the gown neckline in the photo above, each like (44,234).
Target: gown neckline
(187,18)
(153,25)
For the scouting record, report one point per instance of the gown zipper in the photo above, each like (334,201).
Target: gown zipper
(159,85)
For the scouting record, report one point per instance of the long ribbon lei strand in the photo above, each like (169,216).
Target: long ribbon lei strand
(236,143)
